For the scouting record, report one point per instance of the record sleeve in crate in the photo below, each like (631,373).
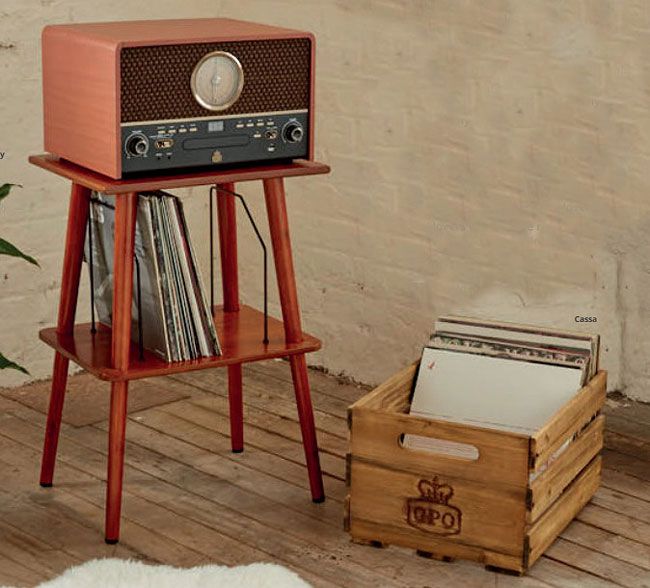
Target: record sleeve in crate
(501,504)
(151,96)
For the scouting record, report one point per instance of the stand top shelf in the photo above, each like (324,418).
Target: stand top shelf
(106,185)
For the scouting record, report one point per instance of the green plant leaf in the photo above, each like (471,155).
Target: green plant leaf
(7,248)
(5,189)
(8,364)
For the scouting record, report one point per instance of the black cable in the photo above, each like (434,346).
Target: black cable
(102,203)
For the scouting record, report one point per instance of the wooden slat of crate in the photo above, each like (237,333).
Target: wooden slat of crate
(550,484)
(568,420)
(488,516)
(440,547)
(392,392)
(544,531)
(503,457)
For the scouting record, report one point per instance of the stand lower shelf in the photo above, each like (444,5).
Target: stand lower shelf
(240,335)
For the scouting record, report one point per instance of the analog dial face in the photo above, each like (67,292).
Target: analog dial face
(217,80)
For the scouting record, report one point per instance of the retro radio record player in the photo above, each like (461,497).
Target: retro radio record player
(150,96)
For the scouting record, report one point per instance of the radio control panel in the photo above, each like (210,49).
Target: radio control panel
(233,139)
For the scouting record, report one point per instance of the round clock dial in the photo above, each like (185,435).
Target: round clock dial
(217,80)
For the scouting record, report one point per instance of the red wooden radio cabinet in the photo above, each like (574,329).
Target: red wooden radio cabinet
(154,96)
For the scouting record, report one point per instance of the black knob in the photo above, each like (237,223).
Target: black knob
(293,132)
(137,145)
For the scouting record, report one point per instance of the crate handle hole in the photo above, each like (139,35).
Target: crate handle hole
(436,446)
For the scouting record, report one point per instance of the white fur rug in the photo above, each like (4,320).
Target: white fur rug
(122,573)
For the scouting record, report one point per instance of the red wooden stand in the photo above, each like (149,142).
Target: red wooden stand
(110,355)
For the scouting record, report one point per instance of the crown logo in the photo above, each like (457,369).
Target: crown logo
(434,491)
(431,511)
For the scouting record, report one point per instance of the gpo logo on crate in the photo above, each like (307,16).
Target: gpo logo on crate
(431,512)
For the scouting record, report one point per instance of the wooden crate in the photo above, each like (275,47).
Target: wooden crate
(487,510)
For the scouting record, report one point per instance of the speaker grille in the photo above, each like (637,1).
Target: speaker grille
(155,81)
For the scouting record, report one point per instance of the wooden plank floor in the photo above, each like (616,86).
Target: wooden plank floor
(188,500)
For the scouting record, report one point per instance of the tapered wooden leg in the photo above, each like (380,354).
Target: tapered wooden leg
(76,231)
(276,208)
(236,408)
(116,435)
(279,226)
(307,427)
(228,247)
(125,215)
(55,410)
(230,281)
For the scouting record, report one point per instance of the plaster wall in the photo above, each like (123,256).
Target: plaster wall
(489,158)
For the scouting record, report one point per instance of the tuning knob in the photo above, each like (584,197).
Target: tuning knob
(137,145)
(293,132)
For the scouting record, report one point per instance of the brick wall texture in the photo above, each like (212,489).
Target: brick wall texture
(489,158)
